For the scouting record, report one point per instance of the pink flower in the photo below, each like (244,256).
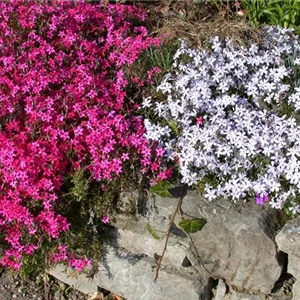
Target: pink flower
(79,264)
(125,156)
(261,199)
(199,120)
(105,219)
(160,152)
(63,106)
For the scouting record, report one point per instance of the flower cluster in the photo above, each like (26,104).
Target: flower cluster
(63,106)
(230,118)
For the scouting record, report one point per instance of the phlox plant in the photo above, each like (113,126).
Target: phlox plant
(64,107)
(230,118)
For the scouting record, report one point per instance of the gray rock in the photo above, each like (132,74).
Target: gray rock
(132,277)
(237,246)
(288,241)
(130,230)
(237,243)
(233,295)
(244,296)
(4,295)
(223,292)
(57,295)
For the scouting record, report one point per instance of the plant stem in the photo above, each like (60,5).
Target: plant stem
(178,204)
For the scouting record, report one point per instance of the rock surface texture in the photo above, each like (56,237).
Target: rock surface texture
(288,241)
(132,277)
(237,243)
(236,246)
(225,293)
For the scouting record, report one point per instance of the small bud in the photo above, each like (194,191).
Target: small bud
(240,13)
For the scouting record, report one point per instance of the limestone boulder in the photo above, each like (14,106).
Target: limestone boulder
(288,241)
(133,234)
(132,277)
(223,292)
(237,243)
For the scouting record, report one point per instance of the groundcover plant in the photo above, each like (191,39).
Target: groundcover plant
(230,118)
(63,107)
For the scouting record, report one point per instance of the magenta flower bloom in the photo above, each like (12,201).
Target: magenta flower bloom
(63,90)
(261,199)
(105,219)
(199,120)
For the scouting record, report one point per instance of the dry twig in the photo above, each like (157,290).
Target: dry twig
(177,208)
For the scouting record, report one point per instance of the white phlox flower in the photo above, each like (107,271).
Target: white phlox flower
(248,137)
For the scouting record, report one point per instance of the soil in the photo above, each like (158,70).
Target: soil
(43,288)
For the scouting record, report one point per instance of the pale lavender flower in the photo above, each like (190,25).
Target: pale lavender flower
(242,141)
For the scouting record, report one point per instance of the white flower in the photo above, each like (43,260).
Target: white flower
(297,61)
(210,194)
(245,142)
(295,209)
(147,102)
(275,204)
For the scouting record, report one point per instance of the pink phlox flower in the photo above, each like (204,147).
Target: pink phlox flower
(199,120)
(79,264)
(105,219)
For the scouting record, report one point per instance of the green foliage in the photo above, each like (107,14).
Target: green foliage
(208,179)
(155,57)
(152,232)
(294,77)
(80,187)
(285,13)
(34,265)
(193,225)
(174,127)
(83,201)
(226,7)
(161,189)
(162,56)
(218,4)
